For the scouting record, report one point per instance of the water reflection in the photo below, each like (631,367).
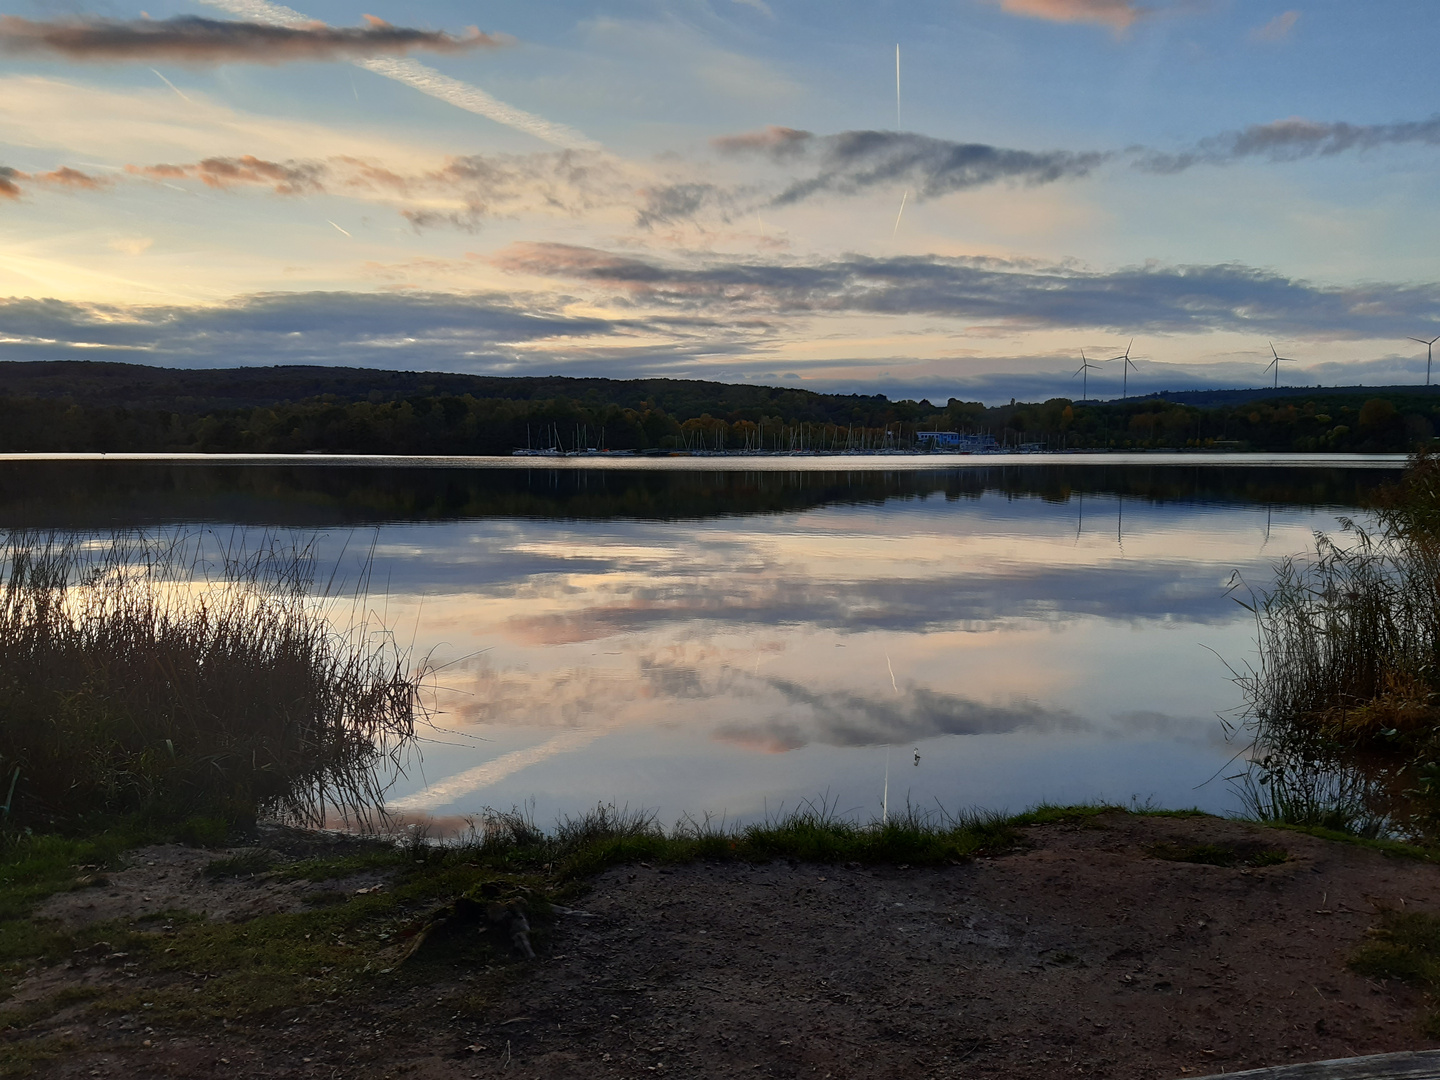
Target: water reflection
(733,642)
(100,494)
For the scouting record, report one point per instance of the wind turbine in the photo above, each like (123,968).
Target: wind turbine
(1126,367)
(1277,361)
(1429,349)
(1084,371)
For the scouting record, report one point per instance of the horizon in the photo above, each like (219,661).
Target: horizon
(955,203)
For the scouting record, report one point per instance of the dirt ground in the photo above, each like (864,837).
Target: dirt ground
(1084,955)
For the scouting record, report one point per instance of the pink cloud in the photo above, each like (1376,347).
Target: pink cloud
(1117,14)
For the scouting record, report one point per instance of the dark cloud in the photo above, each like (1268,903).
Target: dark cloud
(1292,140)
(188,39)
(855,161)
(409,330)
(670,203)
(1137,299)
(719,318)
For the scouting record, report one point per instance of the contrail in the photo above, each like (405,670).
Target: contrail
(492,772)
(171,85)
(338,227)
(471,98)
(425,79)
(892,233)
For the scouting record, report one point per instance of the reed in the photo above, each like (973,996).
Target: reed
(1344,697)
(148,675)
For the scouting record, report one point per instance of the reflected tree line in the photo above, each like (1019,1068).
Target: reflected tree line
(110,494)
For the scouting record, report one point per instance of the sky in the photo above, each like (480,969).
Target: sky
(937,198)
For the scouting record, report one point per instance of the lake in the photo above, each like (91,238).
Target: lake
(713,636)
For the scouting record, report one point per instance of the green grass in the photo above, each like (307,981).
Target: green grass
(1395,848)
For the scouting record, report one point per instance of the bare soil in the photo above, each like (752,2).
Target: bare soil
(1084,955)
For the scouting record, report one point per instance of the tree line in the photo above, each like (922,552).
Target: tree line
(693,416)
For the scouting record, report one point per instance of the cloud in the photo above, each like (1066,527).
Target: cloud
(779,142)
(759,5)
(670,203)
(734,319)
(855,161)
(1160,299)
(1118,14)
(478,187)
(188,39)
(1277,29)
(288,178)
(462,193)
(848,718)
(1293,140)
(63,177)
(467,331)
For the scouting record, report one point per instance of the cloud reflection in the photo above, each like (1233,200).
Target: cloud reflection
(848,718)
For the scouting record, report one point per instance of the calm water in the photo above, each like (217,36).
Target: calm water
(734,642)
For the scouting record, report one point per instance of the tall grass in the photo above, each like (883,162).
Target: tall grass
(1350,639)
(152,675)
(1348,668)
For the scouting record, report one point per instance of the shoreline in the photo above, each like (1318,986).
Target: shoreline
(761,463)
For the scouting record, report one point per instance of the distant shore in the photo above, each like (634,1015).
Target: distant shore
(817,462)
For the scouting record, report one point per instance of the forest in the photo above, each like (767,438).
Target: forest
(77,407)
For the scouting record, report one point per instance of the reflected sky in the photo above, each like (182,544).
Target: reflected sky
(735,644)
(1028,649)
